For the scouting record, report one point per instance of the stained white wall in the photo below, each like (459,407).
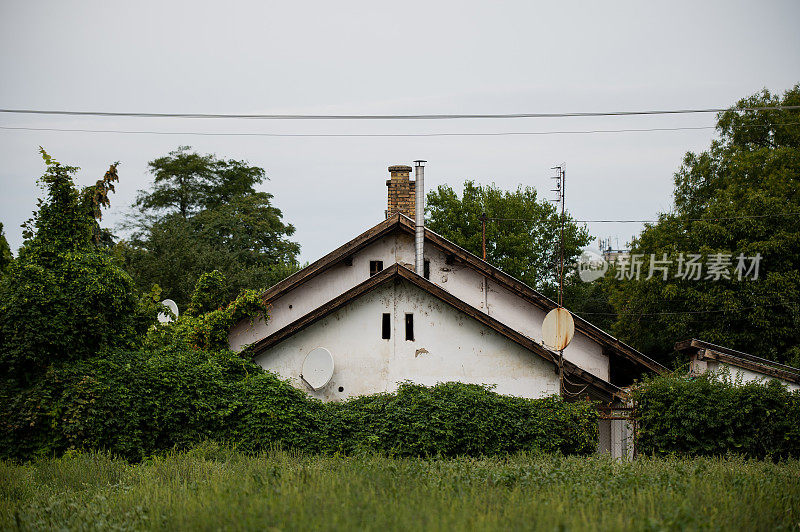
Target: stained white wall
(448,345)
(746,375)
(461,281)
(319,290)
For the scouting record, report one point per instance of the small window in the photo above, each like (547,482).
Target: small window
(386,326)
(375,266)
(409,326)
(426,269)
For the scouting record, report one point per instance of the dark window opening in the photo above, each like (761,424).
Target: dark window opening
(426,269)
(375,266)
(409,326)
(386,329)
(341,388)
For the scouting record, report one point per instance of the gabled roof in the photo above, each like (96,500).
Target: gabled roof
(708,351)
(600,389)
(400,222)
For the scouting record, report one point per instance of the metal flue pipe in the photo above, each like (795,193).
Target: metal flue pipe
(419,241)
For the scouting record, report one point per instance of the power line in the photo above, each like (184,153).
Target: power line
(230,134)
(395,117)
(488,134)
(681,311)
(710,219)
(756,298)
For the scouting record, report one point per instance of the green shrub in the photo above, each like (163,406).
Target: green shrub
(452,419)
(712,416)
(272,413)
(134,404)
(63,311)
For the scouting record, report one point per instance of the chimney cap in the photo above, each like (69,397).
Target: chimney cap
(400,168)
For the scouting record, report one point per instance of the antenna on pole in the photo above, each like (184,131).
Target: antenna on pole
(560,180)
(483,234)
(558,326)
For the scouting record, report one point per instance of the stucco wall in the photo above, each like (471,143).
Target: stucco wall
(315,292)
(745,374)
(461,281)
(448,346)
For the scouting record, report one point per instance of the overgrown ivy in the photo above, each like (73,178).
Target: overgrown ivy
(65,298)
(201,328)
(714,415)
(138,403)
(452,419)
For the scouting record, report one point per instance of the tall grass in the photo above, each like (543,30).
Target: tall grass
(212,487)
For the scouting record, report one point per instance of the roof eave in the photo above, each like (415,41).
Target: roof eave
(405,223)
(739,359)
(397,271)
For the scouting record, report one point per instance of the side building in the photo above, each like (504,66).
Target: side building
(706,357)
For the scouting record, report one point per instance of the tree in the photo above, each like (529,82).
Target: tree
(204,214)
(739,197)
(5,252)
(188,182)
(521,237)
(64,297)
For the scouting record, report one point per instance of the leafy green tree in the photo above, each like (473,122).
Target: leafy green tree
(186,182)
(204,214)
(741,196)
(5,252)
(64,297)
(522,239)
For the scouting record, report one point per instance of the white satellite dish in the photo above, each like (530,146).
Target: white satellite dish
(163,317)
(558,328)
(317,368)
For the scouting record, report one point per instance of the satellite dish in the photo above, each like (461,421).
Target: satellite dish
(558,328)
(163,317)
(317,368)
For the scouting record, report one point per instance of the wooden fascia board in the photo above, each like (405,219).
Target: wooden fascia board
(749,365)
(686,346)
(737,358)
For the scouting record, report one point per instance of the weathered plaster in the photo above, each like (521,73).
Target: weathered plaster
(462,281)
(448,346)
(746,375)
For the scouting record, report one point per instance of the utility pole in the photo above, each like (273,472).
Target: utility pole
(483,235)
(560,178)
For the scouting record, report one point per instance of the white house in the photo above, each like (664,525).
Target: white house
(461,320)
(705,357)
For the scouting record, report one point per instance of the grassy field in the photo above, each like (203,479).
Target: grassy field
(216,488)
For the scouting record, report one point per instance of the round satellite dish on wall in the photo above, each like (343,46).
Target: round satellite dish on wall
(163,317)
(558,329)
(317,368)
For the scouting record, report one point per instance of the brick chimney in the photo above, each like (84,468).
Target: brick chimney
(401,191)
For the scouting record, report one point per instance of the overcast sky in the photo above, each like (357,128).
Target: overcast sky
(366,57)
